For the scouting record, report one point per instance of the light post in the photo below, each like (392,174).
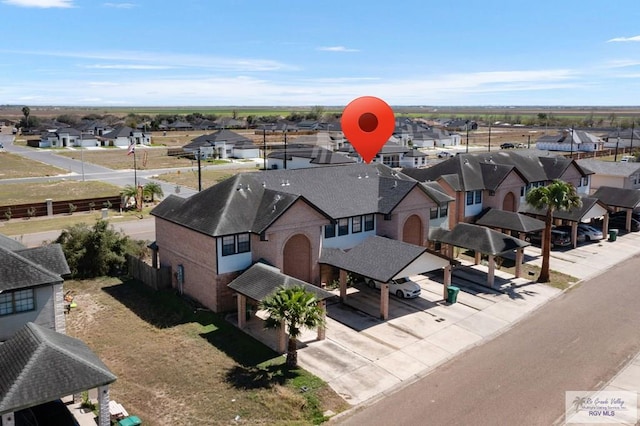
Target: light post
(528,141)
(572,142)
(615,157)
(467,126)
(264,147)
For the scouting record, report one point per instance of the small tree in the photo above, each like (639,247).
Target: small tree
(129,193)
(152,189)
(31,212)
(558,195)
(8,213)
(293,308)
(72,208)
(92,206)
(107,204)
(26,111)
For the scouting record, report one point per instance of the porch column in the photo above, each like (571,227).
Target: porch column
(492,268)
(574,234)
(447,282)
(605,226)
(477,257)
(519,258)
(521,236)
(343,285)
(384,301)
(282,338)
(242,310)
(104,419)
(322,330)
(8,419)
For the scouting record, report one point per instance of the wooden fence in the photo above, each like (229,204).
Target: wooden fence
(16,211)
(157,279)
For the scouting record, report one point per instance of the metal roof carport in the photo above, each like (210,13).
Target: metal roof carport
(383,259)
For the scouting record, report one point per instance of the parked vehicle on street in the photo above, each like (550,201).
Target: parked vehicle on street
(401,287)
(507,145)
(444,154)
(559,238)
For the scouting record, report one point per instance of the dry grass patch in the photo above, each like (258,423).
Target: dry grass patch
(180,365)
(59,190)
(117,158)
(14,166)
(209,177)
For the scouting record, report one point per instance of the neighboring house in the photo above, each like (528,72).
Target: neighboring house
(498,180)
(460,124)
(95,128)
(627,138)
(321,139)
(286,218)
(124,136)
(223,144)
(39,366)
(612,174)
(414,158)
(63,138)
(418,134)
(31,286)
(303,156)
(570,140)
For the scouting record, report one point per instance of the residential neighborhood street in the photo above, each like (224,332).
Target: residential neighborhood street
(578,341)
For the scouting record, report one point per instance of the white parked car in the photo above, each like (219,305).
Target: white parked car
(589,232)
(401,287)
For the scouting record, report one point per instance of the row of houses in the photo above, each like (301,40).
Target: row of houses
(315,224)
(120,136)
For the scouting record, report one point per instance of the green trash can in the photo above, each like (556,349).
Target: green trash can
(130,421)
(613,234)
(452,294)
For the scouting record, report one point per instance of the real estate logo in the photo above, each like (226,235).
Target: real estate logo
(608,407)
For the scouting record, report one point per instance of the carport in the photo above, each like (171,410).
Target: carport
(502,221)
(618,199)
(262,280)
(591,208)
(40,365)
(383,259)
(482,240)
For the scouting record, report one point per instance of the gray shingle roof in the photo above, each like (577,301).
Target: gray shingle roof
(38,365)
(364,259)
(495,218)
(249,202)
(317,154)
(609,168)
(473,170)
(10,244)
(119,132)
(222,135)
(618,197)
(261,280)
(17,271)
(576,214)
(480,239)
(50,257)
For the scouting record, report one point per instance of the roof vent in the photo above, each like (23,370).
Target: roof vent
(466,161)
(366,175)
(239,188)
(395,183)
(264,184)
(283,183)
(278,197)
(359,176)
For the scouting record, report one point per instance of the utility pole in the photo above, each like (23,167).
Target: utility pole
(82,154)
(264,147)
(633,128)
(489,137)
(528,141)
(615,157)
(199,171)
(467,126)
(571,142)
(285,147)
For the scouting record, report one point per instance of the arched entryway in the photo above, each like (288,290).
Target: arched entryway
(297,258)
(412,230)
(509,203)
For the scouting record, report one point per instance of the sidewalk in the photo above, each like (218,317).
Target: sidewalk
(364,358)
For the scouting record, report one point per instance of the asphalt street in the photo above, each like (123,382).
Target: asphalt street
(577,342)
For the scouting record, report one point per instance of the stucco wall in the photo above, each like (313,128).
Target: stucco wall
(300,218)
(43,315)
(512,183)
(416,202)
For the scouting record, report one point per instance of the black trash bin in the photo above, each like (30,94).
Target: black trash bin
(452,294)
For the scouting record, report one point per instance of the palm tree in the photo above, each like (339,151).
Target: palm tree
(152,189)
(558,195)
(130,192)
(26,111)
(293,308)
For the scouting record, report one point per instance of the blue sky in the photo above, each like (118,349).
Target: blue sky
(256,52)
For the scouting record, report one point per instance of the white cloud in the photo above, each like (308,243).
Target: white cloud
(624,39)
(622,63)
(44,4)
(120,5)
(128,67)
(337,49)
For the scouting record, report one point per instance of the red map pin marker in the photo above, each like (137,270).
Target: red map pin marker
(368,123)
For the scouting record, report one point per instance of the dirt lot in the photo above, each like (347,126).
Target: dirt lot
(177,365)
(58,190)
(15,166)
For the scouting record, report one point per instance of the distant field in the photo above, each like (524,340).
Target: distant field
(14,166)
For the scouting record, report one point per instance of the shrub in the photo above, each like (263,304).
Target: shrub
(8,214)
(72,208)
(31,212)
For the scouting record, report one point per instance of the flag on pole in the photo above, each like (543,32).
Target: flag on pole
(132,149)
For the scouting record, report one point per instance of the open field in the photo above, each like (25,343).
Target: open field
(177,365)
(115,158)
(209,177)
(57,190)
(15,166)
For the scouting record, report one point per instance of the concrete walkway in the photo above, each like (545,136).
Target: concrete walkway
(364,357)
